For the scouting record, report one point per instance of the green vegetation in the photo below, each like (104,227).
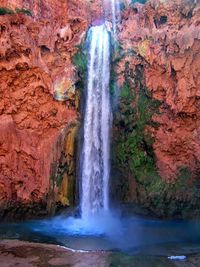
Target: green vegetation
(133,154)
(24,11)
(59,179)
(80,62)
(133,145)
(183,179)
(6,11)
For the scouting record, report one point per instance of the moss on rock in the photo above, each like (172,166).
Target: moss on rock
(23,11)
(63,170)
(132,147)
(6,11)
(80,62)
(134,161)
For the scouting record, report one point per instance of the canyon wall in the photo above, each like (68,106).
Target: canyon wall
(39,104)
(159,77)
(156,140)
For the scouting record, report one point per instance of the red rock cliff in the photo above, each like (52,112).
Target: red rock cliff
(37,131)
(35,68)
(166,38)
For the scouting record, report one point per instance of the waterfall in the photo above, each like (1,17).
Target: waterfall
(95,167)
(112,7)
(115,13)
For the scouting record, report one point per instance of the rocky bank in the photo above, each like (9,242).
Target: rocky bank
(19,253)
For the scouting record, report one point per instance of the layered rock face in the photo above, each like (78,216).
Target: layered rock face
(161,42)
(36,71)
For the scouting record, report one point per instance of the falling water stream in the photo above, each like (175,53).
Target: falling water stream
(112,7)
(95,165)
(96,147)
(115,13)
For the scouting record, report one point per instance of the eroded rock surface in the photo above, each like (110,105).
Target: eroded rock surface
(166,37)
(160,62)
(36,72)
(19,253)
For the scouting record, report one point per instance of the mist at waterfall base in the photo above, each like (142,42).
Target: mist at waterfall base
(110,232)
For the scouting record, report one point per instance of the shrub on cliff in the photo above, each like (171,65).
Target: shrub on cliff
(5,11)
(8,11)
(23,11)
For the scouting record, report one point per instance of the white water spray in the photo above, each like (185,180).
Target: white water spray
(95,168)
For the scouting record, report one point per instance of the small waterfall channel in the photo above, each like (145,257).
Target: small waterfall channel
(115,13)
